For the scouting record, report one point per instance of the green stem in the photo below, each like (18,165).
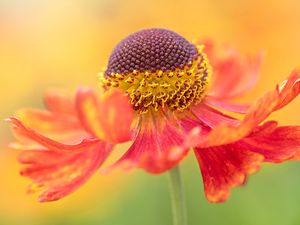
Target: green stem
(178,198)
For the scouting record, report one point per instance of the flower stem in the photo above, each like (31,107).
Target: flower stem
(178,198)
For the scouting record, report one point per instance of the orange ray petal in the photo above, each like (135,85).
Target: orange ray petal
(109,119)
(171,143)
(187,124)
(51,144)
(212,117)
(234,73)
(157,139)
(229,106)
(59,101)
(225,166)
(289,89)
(58,175)
(289,138)
(60,127)
(275,148)
(25,141)
(267,128)
(146,143)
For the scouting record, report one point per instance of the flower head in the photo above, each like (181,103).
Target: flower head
(172,105)
(158,68)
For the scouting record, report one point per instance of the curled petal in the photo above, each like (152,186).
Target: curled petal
(258,112)
(49,143)
(289,89)
(58,175)
(60,127)
(109,119)
(59,101)
(234,73)
(43,120)
(156,140)
(225,166)
(261,109)
(25,141)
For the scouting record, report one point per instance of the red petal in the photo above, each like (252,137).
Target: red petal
(212,117)
(168,135)
(58,175)
(145,144)
(223,167)
(234,73)
(156,140)
(59,101)
(289,89)
(171,146)
(229,106)
(109,119)
(49,143)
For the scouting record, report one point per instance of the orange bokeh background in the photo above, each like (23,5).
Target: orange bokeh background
(65,43)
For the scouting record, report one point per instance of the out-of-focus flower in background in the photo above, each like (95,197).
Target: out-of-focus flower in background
(64,44)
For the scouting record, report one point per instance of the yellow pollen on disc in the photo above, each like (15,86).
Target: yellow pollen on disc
(173,89)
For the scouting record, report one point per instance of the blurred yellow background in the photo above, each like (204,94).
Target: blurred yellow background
(65,43)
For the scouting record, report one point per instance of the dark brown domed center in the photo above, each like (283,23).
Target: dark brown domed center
(151,50)
(158,68)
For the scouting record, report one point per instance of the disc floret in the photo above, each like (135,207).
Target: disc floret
(158,68)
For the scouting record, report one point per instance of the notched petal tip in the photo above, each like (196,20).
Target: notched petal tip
(57,175)
(289,89)
(7,120)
